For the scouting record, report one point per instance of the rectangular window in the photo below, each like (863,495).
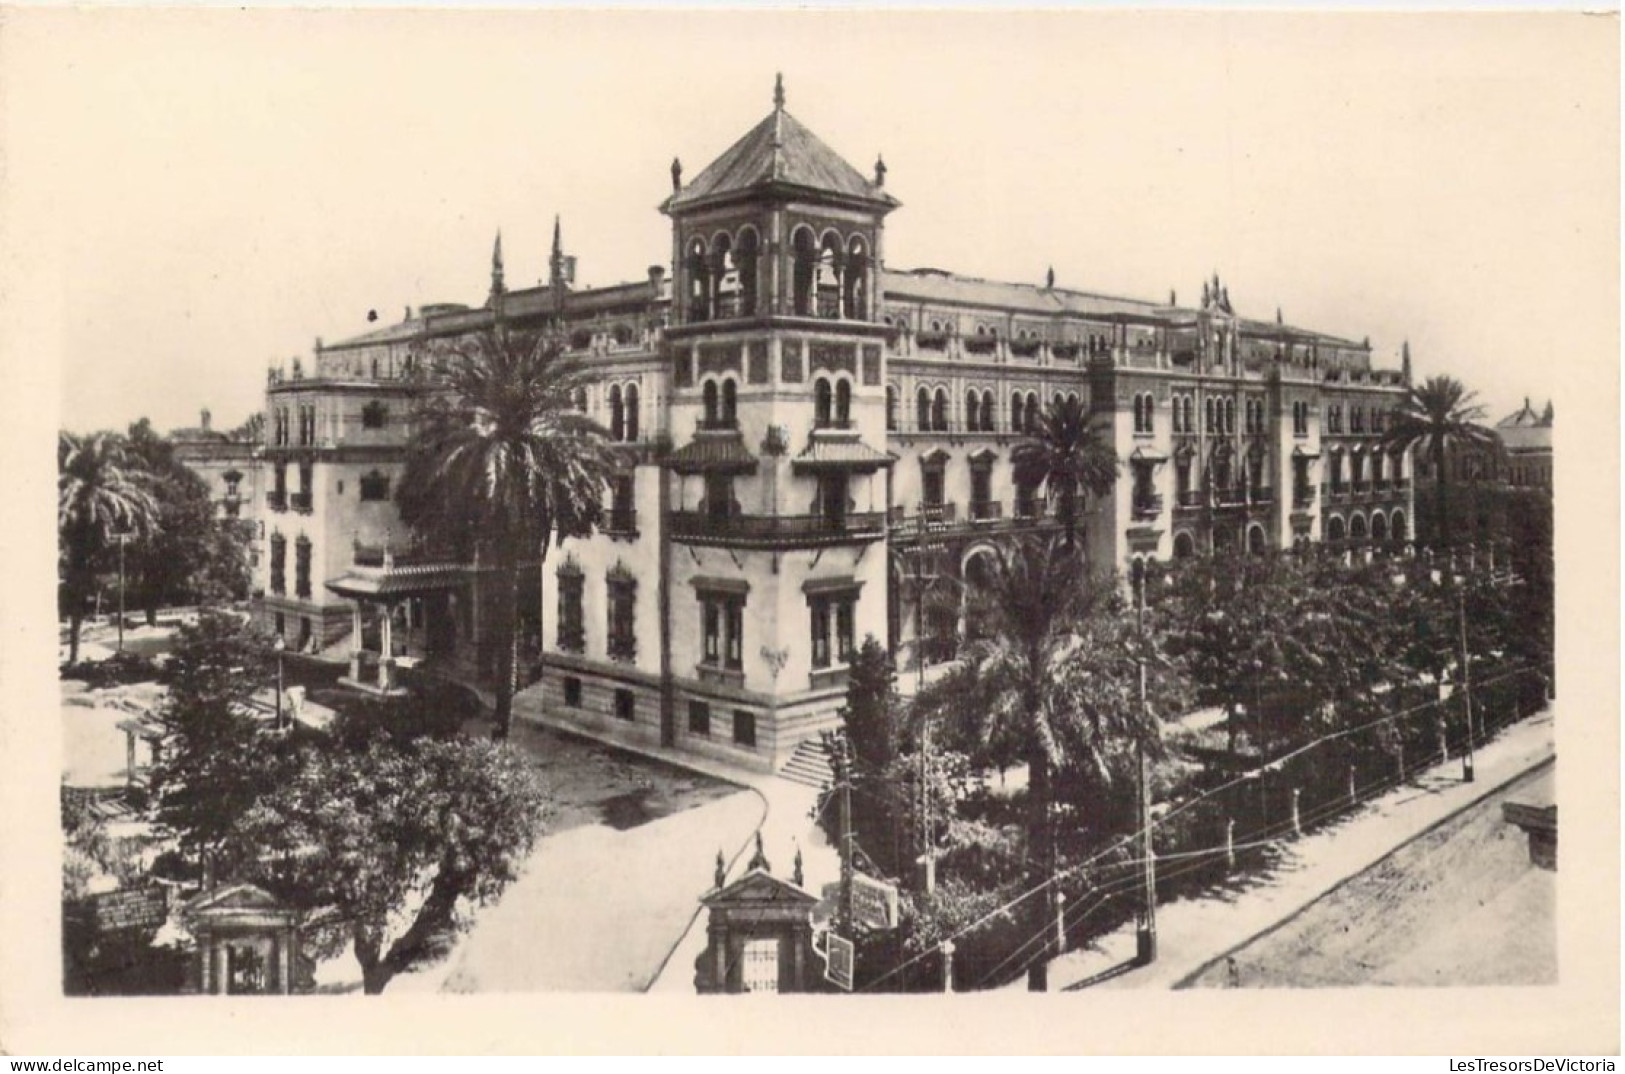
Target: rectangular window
(623,642)
(281,624)
(623,515)
(572,691)
(572,626)
(301,561)
(820,633)
(736,633)
(931,486)
(711,625)
(625,705)
(722,630)
(374,416)
(279,565)
(374,486)
(744,728)
(844,618)
(699,718)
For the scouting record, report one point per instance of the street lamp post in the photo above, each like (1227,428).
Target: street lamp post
(280,646)
(1466,686)
(1146,935)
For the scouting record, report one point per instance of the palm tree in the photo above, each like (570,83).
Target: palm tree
(501,461)
(101,492)
(1067,456)
(1437,414)
(1050,677)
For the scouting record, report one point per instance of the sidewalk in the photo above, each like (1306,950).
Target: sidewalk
(786,823)
(1195,932)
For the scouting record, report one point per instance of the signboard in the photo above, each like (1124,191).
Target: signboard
(838,969)
(874,905)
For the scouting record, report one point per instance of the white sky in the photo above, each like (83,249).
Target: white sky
(216,189)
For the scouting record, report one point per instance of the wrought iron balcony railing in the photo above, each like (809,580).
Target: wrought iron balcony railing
(986,510)
(302,502)
(696,526)
(278,501)
(1147,505)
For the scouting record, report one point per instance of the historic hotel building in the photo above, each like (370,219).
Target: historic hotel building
(816,447)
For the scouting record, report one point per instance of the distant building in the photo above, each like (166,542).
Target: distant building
(1487,481)
(811,440)
(226,465)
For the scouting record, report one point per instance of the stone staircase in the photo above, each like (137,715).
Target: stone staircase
(809,766)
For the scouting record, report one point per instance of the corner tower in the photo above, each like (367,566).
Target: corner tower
(777,402)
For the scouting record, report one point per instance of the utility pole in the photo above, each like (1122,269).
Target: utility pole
(1146,935)
(1466,686)
(122,538)
(928,847)
(844,913)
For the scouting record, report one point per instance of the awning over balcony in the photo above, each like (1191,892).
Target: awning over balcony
(390,583)
(1301,452)
(852,454)
(711,452)
(1153,456)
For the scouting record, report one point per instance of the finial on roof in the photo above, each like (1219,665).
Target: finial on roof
(558,240)
(676,175)
(1405,361)
(1049,279)
(1546,417)
(722,869)
(778,91)
(880,171)
(1207,296)
(1224,298)
(497,286)
(1173,297)
(758,860)
(1278,319)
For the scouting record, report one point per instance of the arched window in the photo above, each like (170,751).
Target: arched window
(939,411)
(747,259)
(1212,415)
(699,282)
(1033,414)
(922,417)
(856,297)
(1184,546)
(580,400)
(1377,467)
(804,257)
(891,408)
(1379,527)
(1017,413)
(730,403)
(823,401)
(617,415)
(1400,533)
(1190,414)
(1334,528)
(1075,399)
(843,404)
(709,392)
(726,272)
(1256,541)
(1357,527)
(829,277)
(987,411)
(973,411)
(1229,415)
(631,412)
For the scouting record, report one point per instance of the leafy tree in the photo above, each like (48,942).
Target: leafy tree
(1069,458)
(219,758)
(1035,686)
(387,846)
(1438,414)
(192,555)
(102,491)
(251,431)
(501,461)
(871,710)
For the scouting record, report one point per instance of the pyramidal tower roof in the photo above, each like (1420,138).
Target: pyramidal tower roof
(778,151)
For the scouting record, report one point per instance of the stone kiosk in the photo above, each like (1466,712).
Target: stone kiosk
(247,943)
(760,934)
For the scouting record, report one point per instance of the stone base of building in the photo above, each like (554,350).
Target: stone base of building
(729,726)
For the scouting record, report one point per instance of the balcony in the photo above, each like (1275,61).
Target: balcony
(829,306)
(1262,494)
(828,678)
(1303,497)
(1338,493)
(986,510)
(1147,506)
(1362,487)
(1233,496)
(695,527)
(717,425)
(1190,499)
(278,501)
(621,522)
(932,341)
(412,554)
(1382,484)
(302,502)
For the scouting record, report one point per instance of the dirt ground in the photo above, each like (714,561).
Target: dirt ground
(1461,905)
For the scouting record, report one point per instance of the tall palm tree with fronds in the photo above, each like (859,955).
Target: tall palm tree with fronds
(1068,457)
(1438,414)
(101,491)
(1050,678)
(501,462)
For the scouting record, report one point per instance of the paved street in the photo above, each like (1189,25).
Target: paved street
(1196,932)
(1460,905)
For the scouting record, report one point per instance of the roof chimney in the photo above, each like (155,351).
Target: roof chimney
(205,419)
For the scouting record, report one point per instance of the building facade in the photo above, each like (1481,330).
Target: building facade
(814,444)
